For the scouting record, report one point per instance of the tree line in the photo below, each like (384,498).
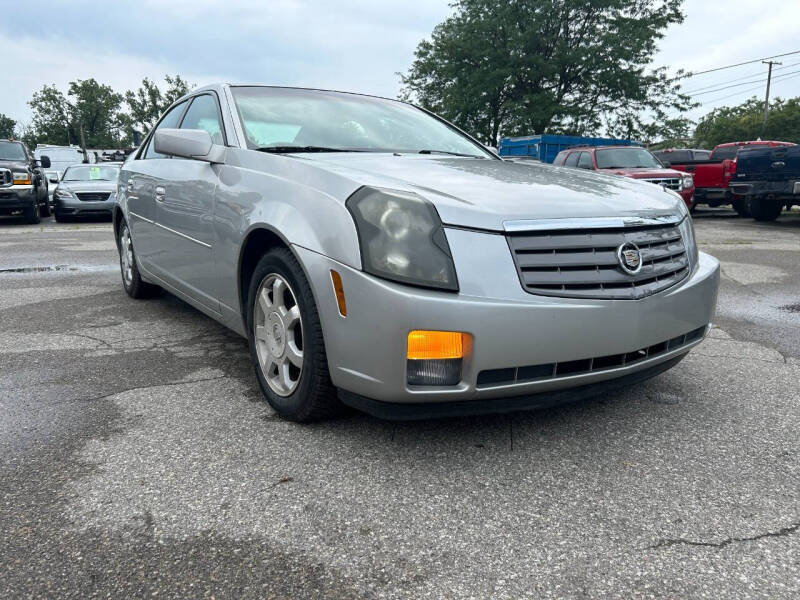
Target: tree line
(93,113)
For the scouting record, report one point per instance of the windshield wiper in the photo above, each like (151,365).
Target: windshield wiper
(448,152)
(293,149)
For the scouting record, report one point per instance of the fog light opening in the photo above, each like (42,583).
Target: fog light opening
(435,357)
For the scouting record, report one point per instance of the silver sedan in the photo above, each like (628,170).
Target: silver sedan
(378,257)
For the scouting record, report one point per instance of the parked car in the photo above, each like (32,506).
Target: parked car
(53,177)
(712,177)
(681,155)
(768,178)
(377,256)
(629,161)
(86,191)
(23,186)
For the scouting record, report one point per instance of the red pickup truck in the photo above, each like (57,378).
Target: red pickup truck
(712,177)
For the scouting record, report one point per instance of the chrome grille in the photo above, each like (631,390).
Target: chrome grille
(669,183)
(93,196)
(5,177)
(583,263)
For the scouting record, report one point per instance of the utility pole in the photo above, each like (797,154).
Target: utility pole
(766,100)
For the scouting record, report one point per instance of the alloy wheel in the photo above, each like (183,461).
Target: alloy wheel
(278,333)
(126,255)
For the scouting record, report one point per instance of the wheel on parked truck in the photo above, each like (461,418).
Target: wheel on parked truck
(740,206)
(44,211)
(286,344)
(31,213)
(762,209)
(132,281)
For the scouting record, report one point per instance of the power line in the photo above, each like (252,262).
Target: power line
(751,75)
(747,62)
(741,84)
(740,92)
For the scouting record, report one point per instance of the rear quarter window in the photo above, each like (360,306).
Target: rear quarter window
(572,159)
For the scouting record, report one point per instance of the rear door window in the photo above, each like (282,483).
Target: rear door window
(560,159)
(585,161)
(170,121)
(572,160)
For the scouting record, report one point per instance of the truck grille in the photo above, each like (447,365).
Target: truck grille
(5,177)
(93,196)
(584,263)
(670,183)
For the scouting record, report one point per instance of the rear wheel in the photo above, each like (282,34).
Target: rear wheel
(762,209)
(132,281)
(740,206)
(286,343)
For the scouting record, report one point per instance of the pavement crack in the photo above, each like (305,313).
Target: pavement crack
(782,532)
(156,385)
(103,343)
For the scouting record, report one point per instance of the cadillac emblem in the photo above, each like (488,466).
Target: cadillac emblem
(630,258)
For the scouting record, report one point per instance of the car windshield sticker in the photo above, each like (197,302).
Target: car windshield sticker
(94,173)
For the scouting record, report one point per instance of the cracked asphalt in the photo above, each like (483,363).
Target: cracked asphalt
(137,458)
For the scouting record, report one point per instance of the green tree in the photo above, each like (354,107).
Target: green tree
(744,122)
(89,107)
(148,102)
(561,66)
(7,126)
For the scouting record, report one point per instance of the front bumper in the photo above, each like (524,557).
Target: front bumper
(15,198)
(511,328)
(75,207)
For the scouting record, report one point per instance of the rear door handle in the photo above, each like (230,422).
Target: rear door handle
(130,186)
(160,193)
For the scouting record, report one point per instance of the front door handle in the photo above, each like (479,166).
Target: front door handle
(160,193)
(130,187)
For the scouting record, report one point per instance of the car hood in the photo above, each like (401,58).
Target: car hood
(484,193)
(643,173)
(88,186)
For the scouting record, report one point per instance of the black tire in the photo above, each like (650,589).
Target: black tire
(31,213)
(314,397)
(134,286)
(764,210)
(44,211)
(741,208)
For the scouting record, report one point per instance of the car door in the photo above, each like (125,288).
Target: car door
(184,219)
(140,183)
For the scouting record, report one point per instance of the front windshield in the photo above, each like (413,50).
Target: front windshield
(91,173)
(11,151)
(287,117)
(626,158)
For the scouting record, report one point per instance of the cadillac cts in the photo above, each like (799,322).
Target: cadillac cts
(374,255)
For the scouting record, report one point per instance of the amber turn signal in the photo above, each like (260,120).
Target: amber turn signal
(431,345)
(338,289)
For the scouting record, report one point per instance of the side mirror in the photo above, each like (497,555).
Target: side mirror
(45,162)
(188,143)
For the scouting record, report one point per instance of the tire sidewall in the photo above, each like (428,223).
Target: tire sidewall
(294,406)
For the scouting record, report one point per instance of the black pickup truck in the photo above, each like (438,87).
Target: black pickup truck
(23,184)
(769,180)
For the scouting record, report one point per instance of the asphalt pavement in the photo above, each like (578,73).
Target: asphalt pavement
(137,458)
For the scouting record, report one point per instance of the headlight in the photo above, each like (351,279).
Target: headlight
(22,178)
(687,231)
(688,181)
(59,193)
(402,238)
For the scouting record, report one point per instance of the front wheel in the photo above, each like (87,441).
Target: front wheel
(31,213)
(132,280)
(286,344)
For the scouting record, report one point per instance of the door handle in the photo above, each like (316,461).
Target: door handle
(130,186)
(160,193)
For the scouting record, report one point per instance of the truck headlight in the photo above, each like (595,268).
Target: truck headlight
(21,178)
(687,182)
(402,238)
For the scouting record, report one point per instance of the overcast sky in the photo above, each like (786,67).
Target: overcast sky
(356,45)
